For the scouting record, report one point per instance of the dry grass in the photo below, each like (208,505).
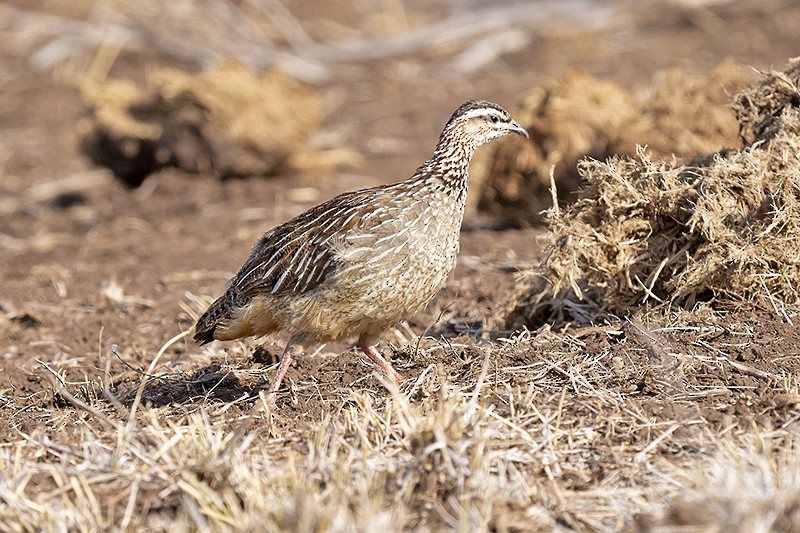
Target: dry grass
(598,430)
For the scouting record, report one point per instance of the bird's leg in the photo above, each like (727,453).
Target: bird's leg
(286,360)
(367,345)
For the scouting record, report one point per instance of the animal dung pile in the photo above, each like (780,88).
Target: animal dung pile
(580,116)
(229,121)
(723,230)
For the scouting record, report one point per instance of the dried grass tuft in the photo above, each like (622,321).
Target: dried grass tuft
(580,116)
(769,107)
(743,489)
(228,120)
(650,231)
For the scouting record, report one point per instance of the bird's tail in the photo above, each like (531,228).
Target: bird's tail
(220,310)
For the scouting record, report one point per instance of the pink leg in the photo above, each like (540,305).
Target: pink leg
(369,348)
(286,360)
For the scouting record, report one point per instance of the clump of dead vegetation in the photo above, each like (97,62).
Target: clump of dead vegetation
(580,116)
(646,230)
(737,490)
(228,121)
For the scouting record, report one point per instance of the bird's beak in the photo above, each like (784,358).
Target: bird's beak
(516,127)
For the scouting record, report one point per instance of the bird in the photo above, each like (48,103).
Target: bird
(362,262)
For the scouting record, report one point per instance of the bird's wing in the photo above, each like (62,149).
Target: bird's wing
(298,256)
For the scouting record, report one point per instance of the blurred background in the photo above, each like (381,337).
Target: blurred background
(386,73)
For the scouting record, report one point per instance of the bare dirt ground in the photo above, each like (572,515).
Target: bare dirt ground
(674,422)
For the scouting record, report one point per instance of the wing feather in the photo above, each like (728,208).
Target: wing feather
(298,256)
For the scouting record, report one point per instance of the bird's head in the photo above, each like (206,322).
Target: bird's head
(479,121)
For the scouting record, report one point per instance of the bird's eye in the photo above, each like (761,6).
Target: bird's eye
(495,119)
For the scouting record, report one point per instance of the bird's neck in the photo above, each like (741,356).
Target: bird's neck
(450,160)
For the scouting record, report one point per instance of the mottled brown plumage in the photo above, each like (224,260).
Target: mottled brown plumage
(363,261)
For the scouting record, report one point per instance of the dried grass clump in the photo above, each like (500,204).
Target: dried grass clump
(228,120)
(644,230)
(580,116)
(743,489)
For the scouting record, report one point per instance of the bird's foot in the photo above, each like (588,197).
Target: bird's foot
(373,353)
